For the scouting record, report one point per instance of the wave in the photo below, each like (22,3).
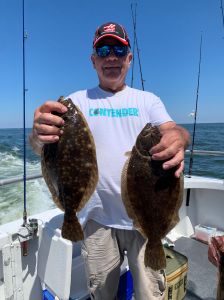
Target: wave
(12,165)
(11,196)
(15,149)
(38,199)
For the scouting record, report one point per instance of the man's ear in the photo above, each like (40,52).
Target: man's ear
(93,60)
(130,58)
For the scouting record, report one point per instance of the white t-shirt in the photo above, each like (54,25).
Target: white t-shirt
(115,121)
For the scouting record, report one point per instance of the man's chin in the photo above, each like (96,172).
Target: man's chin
(112,74)
(112,78)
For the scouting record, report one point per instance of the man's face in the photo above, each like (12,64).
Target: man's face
(111,69)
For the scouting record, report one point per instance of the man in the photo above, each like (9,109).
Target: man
(116,114)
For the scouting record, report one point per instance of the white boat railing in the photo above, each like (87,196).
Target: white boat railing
(19,179)
(39,175)
(205,152)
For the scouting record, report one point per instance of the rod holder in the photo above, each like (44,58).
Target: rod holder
(27,232)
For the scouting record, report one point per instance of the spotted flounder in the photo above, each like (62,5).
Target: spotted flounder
(69,168)
(151,195)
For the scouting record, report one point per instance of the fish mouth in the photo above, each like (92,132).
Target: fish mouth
(64,101)
(69,104)
(147,130)
(149,137)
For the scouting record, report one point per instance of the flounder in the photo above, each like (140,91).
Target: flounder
(69,168)
(151,195)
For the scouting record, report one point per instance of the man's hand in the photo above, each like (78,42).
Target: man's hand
(46,126)
(171,147)
(215,248)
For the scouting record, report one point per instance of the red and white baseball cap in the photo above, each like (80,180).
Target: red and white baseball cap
(111,29)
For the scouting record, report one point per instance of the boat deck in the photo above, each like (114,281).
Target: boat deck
(202,275)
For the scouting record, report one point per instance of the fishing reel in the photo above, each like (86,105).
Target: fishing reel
(26,232)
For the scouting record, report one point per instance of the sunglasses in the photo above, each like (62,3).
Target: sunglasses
(118,50)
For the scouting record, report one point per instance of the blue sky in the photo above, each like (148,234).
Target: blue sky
(58,50)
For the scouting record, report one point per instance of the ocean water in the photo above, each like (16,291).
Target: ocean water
(11,165)
(208,137)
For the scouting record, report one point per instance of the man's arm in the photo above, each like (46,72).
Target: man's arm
(171,147)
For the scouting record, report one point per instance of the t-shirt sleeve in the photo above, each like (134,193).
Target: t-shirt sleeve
(158,113)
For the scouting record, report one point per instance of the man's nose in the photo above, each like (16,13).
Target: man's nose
(112,56)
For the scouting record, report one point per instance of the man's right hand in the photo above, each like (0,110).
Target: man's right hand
(46,126)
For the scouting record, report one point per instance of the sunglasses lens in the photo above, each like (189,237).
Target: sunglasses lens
(105,50)
(120,50)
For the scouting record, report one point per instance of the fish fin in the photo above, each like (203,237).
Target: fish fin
(71,229)
(125,196)
(155,256)
(49,181)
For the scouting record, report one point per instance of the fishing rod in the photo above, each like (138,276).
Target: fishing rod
(27,230)
(136,41)
(24,244)
(195,122)
(222,13)
(195,112)
(134,44)
(24,117)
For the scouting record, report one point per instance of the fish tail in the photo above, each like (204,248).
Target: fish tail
(155,256)
(71,228)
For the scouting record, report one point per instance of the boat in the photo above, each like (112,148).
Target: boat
(37,263)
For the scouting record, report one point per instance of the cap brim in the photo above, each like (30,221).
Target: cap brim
(123,41)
